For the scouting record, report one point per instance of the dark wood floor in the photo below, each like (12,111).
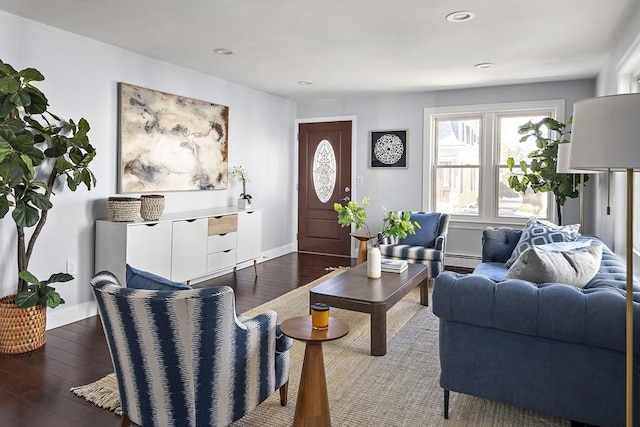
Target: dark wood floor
(34,388)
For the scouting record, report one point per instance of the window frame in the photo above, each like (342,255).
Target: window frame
(488,183)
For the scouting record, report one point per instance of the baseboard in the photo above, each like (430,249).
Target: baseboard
(278,252)
(62,315)
(460,260)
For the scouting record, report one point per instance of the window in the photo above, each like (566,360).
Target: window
(467,160)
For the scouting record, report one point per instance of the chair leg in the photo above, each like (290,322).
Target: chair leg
(125,421)
(283,393)
(446,404)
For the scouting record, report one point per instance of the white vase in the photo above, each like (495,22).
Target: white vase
(373,263)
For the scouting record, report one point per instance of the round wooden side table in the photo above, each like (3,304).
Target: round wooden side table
(312,406)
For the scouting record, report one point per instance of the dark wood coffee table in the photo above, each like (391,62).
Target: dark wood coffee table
(353,290)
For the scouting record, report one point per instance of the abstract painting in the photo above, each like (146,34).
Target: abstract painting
(170,143)
(389,149)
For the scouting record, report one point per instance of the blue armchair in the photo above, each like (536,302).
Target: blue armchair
(183,358)
(426,246)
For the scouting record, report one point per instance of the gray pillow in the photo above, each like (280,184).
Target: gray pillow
(539,232)
(540,264)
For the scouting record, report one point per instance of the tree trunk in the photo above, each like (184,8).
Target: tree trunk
(22,259)
(558,211)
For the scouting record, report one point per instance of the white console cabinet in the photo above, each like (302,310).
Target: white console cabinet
(188,249)
(249,235)
(182,246)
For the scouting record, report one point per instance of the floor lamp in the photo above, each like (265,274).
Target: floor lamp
(606,135)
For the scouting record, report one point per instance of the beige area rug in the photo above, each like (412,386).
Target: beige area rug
(398,389)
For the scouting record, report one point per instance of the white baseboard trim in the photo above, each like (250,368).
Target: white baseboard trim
(460,260)
(277,252)
(62,315)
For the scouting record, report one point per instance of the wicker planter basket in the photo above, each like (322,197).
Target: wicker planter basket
(123,209)
(152,206)
(21,329)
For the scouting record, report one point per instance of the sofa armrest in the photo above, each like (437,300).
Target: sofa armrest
(594,317)
(498,243)
(441,242)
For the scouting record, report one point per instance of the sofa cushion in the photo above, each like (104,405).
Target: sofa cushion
(426,234)
(540,232)
(557,263)
(139,279)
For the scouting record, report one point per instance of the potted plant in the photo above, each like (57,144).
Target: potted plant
(36,149)
(394,225)
(539,174)
(245,198)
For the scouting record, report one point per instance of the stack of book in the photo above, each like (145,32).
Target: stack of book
(393,265)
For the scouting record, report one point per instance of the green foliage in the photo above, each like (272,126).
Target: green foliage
(36,148)
(40,292)
(351,213)
(398,226)
(539,172)
(393,224)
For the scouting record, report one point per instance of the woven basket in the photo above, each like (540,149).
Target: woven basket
(21,329)
(152,206)
(123,209)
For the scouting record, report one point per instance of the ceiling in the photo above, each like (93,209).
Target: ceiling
(352,47)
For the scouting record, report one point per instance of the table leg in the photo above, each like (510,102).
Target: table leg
(378,329)
(312,406)
(424,291)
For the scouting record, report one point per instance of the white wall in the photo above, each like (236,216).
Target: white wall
(401,189)
(81,81)
(611,228)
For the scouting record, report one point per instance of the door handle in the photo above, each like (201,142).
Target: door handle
(345,199)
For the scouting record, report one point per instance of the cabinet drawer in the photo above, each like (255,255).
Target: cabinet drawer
(223,224)
(221,260)
(221,242)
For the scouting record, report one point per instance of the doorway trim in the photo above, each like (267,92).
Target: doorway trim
(354,156)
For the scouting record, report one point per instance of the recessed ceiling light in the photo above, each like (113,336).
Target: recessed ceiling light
(305,83)
(461,16)
(483,65)
(224,51)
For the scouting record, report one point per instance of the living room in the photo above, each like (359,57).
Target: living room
(81,81)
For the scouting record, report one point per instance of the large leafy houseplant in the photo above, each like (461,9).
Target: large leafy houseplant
(539,173)
(36,149)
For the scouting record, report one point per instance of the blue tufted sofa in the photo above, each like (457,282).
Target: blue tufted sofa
(552,347)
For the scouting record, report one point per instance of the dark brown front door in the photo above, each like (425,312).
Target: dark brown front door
(324,177)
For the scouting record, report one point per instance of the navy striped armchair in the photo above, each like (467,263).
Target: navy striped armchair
(426,246)
(183,358)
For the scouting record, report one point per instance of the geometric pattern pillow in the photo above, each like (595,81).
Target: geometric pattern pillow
(543,264)
(539,232)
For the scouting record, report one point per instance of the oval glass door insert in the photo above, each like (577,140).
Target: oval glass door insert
(324,171)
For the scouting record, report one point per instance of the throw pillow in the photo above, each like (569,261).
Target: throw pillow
(139,279)
(426,234)
(548,264)
(539,232)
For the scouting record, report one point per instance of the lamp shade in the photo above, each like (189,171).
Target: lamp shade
(606,133)
(562,161)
